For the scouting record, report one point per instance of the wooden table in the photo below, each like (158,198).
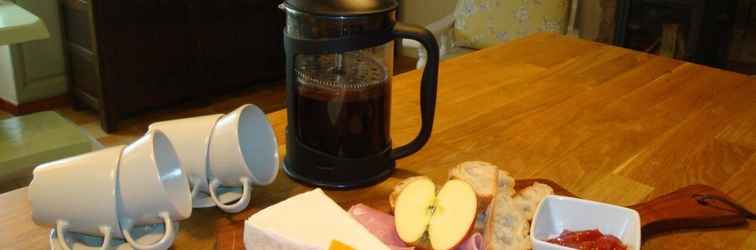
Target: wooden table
(607,123)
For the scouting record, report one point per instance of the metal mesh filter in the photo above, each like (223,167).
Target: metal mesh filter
(355,70)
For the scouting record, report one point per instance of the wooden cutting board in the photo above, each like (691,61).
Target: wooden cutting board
(674,211)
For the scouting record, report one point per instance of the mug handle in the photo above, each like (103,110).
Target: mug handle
(195,187)
(166,241)
(239,205)
(63,225)
(428,86)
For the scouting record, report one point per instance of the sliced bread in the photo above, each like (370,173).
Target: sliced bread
(505,186)
(528,198)
(506,228)
(508,218)
(482,176)
(505,183)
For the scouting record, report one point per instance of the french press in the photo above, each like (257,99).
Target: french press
(339,64)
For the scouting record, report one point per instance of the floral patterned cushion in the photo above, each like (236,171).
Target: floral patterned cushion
(482,23)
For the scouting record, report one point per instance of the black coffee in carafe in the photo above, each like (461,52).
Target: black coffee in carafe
(346,107)
(339,60)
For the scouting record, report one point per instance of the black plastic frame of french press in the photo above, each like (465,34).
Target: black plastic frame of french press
(314,167)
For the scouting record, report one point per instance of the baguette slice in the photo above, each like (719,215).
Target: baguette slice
(482,176)
(508,218)
(505,184)
(528,198)
(506,228)
(399,187)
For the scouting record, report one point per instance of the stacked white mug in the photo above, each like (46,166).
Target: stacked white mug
(224,155)
(78,194)
(110,192)
(191,137)
(243,151)
(152,156)
(131,197)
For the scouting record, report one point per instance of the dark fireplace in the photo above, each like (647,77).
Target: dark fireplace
(693,30)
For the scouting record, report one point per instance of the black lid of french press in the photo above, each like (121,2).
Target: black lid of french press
(342,7)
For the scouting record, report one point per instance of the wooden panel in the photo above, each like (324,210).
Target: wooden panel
(83,73)
(238,40)
(155,53)
(145,57)
(77,24)
(78,5)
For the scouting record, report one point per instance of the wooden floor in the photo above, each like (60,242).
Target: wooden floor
(4,114)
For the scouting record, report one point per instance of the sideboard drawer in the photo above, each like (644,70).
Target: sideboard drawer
(84,71)
(80,5)
(78,23)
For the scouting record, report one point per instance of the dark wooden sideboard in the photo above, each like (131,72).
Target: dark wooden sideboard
(127,56)
(704,27)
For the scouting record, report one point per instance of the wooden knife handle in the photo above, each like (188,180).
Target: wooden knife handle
(683,209)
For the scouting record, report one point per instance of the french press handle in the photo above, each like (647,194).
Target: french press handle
(428,86)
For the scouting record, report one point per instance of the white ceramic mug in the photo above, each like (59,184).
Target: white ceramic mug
(78,194)
(143,234)
(153,188)
(190,138)
(243,151)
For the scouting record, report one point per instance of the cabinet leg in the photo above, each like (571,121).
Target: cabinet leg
(77,104)
(108,122)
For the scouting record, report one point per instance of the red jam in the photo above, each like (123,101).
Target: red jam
(588,240)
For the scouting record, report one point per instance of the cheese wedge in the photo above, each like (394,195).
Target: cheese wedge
(309,220)
(337,245)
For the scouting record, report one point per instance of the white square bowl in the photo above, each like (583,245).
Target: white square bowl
(558,213)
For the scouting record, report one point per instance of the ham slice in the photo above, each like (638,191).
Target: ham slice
(474,242)
(381,225)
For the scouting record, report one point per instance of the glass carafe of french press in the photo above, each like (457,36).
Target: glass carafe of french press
(339,60)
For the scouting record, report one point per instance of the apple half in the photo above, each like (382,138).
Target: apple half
(441,220)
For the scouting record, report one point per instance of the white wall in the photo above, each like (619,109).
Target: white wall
(7,78)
